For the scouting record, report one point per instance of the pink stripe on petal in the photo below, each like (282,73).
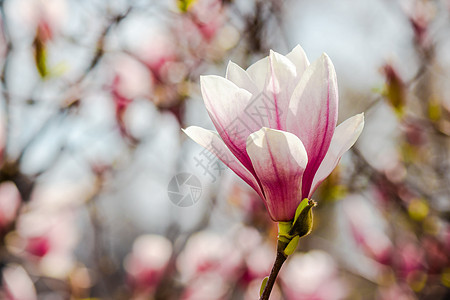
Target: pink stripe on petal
(344,137)
(226,103)
(279,159)
(313,114)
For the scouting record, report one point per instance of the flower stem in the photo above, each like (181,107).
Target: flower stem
(280,259)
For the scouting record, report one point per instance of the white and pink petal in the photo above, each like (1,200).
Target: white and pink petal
(313,112)
(212,142)
(279,159)
(343,139)
(226,103)
(280,83)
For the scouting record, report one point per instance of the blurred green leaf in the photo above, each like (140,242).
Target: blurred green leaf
(184,5)
(40,57)
(394,90)
(434,111)
(418,209)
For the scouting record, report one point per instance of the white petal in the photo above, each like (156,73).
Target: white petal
(300,60)
(344,137)
(239,76)
(212,142)
(280,83)
(258,72)
(281,72)
(279,159)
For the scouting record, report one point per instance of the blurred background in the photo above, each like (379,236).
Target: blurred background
(103,197)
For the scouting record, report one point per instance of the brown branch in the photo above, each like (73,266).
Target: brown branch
(279,261)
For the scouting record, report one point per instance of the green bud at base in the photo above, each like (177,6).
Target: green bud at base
(289,233)
(303,220)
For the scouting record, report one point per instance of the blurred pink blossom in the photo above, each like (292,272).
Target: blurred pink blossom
(44,32)
(157,53)
(147,262)
(397,292)
(17,285)
(207,252)
(9,203)
(131,80)
(420,14)
(207,17)
(409,259)
(43,19)
(259,263)
(206,287)
(312,276)
(46,238)
(121,103)
(286,150)
(366,227)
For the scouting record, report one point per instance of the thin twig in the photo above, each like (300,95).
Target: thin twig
(279,261)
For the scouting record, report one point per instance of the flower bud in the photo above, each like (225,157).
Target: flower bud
(303,220)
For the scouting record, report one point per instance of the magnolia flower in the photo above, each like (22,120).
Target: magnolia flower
(276,124)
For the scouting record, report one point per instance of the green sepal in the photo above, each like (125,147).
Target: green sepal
(263,285)
(300,208)
(290,248)
(283,232)
(303,220)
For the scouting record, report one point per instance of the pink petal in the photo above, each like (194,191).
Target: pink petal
(313,114)
(274,78)
(211,141)
(226,104)
(17,283)
(344,137)
(279,159)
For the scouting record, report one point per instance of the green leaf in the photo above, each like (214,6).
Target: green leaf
(263,285)
(291,246)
